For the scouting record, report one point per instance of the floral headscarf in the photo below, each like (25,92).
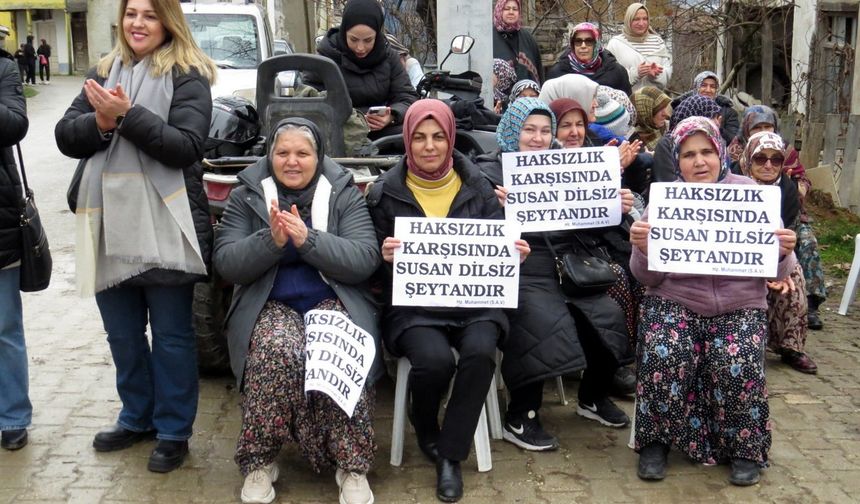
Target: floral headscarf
(700,78)
(505,78)
(689,127)
(591,66)
(694,105)
(499,24)
(757,143)
(521,86)
(508,132)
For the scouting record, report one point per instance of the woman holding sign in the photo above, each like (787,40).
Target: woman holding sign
(433,180)
(296,236)
(701,379)
(552,335)
(762,161)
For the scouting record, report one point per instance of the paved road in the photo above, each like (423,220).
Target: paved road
(814,455)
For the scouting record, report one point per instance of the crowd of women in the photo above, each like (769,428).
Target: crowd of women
(298,235)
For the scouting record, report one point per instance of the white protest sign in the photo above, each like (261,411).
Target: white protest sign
(471,263)
(714,229)
(338,357)
(563,189)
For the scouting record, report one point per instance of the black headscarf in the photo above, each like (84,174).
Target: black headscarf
(363,12)
(302,198)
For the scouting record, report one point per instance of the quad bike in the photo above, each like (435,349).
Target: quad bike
(235,149)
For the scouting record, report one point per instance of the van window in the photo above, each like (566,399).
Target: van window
(229,39)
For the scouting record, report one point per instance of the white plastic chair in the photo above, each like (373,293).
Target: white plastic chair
(482,432)
(853,279)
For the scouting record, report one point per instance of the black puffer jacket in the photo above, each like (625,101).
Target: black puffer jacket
(384,84)
(13,127)
(610,73)
(544,337)
(389,198)
(177,144)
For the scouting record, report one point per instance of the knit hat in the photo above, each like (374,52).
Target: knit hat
(562,106)
(622,98)
(611,114)
(511,123)
(689,127)
(694,105)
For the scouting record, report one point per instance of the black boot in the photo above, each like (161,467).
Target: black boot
(652,462)
(117,437)
(449,480)
(13,439)
(813,320)
(745,472)
(167,455)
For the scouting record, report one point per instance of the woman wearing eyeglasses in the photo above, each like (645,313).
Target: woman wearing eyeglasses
(513,44)
(586,56)
(762,160)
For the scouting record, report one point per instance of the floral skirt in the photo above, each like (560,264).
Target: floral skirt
(701,384)
(275,408)
(810,261)
(786,316)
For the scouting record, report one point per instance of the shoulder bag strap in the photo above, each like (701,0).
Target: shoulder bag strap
(22,171)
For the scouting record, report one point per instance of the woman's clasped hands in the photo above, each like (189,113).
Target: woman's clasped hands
(287,226)
(108,103)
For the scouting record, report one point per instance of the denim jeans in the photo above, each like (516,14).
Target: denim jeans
(158,386)
(15,408)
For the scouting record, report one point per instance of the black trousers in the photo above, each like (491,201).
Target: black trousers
(31,72)
(44,69)
(433,366)
(595,379)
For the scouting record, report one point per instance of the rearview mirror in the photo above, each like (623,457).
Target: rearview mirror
(461,44)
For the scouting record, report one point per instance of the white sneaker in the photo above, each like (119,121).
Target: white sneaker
(354,488)
(258,485)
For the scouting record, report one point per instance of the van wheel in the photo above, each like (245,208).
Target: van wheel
(209,307)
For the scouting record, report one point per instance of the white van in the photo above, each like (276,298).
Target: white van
(237,37)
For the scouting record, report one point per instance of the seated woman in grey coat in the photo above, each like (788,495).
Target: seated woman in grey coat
(307,244)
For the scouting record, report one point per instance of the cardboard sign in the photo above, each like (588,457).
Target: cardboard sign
(471,263)
(714,229)
(338,357)
(563,188)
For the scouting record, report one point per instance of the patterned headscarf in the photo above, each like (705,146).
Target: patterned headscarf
(690,126)
(508,132)
(575,86)
(648,100)
(757,114)
(694,105)
(505,78)
(499,24)
(757,143)
(698,79)
(439,112)
(521,86)
(629,14)
(591,66)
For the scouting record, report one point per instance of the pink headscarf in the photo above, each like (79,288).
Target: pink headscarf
(497,17)
(439,112)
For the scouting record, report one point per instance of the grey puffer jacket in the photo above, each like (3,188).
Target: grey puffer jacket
(346,253)
(13,127)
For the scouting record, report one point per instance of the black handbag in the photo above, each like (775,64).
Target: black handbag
(581,274)
(36,263)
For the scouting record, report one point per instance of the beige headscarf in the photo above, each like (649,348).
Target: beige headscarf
(632,9)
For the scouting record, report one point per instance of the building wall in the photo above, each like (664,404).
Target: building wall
(805,19)
(101,18)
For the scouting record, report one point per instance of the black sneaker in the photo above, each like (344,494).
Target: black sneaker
(604,411)
(527,432)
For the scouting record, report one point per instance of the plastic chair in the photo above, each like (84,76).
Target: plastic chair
(482,432)
(853,278)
